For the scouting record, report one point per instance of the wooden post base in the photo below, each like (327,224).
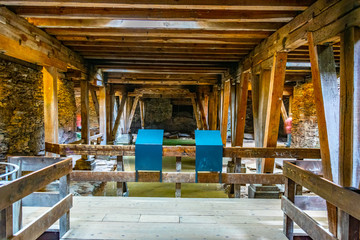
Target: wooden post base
(263,191)
(83,164)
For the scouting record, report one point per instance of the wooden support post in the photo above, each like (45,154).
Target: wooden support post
(83,163)
(326,97)
(102,114)
(110,101)
(118,116)
(132,113)
(206,105)
(242,92)
(121,186)
(225,110)
(95,102)
(202,112)
(51,122)
(178,185)
(255,89)
(233,112)
(196,113)
(290,194)
(241,110)
(349,153)
(142,114)
(276,89)
(213,109)
(63,192)
(6,223)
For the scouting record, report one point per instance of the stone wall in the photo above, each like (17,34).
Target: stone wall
(67,111)
(159,114)
(305,131)
(21,110)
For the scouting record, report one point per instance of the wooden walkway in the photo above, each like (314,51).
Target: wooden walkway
(171,218)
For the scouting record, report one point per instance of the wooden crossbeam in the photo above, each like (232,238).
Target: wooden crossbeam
(177,177)
(132,113)
(118,116)
(182,151)
(156,14)
(275,5)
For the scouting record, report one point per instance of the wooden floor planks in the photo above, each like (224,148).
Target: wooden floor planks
(171,218)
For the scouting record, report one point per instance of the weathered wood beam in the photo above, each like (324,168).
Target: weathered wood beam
(202,112)
(324,18)
(225,110)
(277,81)
(349,154)
(275,5)
(22,40)
(142,113)
(110,101)
(196,113)
(183,151)
(51,122)
(284,114)
(132,113)
(163,82)
(139,32)
(95,102)
(241,108)
(33,182)
(102,114)
(157,14)
(85,126)
(177,177)
(115,129)
(128,24)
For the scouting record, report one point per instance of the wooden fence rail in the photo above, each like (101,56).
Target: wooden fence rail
(342,198)
(46,170)
(182,151)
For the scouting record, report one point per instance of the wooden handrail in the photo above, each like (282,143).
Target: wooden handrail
(178,177)
(32,182)
(182,151)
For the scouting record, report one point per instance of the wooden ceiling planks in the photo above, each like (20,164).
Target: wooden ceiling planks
(202,39)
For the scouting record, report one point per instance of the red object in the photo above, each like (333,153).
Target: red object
(78,120)
(288,125)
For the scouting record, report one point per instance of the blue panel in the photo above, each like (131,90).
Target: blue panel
(148,150)
(209,150)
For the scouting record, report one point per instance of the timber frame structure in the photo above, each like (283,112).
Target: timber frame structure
(216,55)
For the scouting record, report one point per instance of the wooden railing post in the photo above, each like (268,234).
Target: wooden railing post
(63,192)
(178,185)
(290,194)
(6,223)
(121,186)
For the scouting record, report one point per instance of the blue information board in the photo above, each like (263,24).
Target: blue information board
(209,151)
(148,150)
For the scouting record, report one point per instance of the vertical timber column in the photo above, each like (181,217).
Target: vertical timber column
(233,112)
(142,113)
(51,122)
(84,163)
(202,111)
(349,153)
(102,114)
(110,101)
(213,109)
(276,89)
(242,95)
(178,185)
(255,100)
(325,91)
(225,110)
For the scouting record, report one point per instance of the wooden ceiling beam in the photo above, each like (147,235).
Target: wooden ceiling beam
(239,46)
(24,41)
(274,5)
(159,33)
(162,40)
(325,18)
(157,25)
(160,76)
(189,14)
(135,50)
(161,82)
